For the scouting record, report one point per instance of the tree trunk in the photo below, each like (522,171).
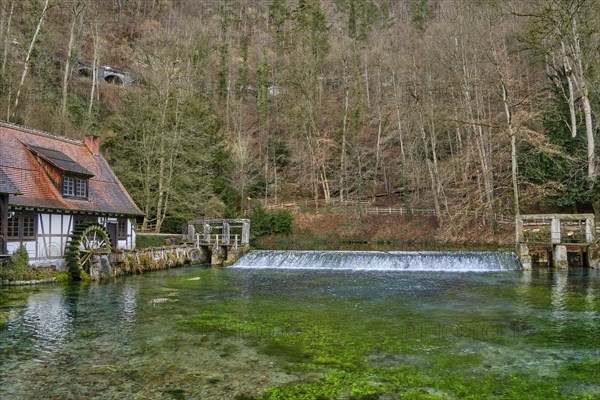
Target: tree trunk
(343,172)
(28,58)
(509,120)
(67,70)
(161,164)
(325,185)
(379,131)
(571,94)
(399,120)
(472,100)
(7,37)
(367,84)
(591,137)
(96,39)
(582,85)
(430,170)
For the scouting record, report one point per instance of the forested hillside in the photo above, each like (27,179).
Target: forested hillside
(487,105)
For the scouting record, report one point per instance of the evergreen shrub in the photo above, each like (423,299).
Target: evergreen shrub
(265,222)
(18,268)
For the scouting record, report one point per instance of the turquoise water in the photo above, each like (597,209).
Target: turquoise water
(210,333)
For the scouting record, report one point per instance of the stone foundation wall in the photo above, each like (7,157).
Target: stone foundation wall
(151,259)
(594,256)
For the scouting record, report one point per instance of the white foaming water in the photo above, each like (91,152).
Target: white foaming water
(450,261)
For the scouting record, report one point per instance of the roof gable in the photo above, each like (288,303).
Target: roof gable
(20,155)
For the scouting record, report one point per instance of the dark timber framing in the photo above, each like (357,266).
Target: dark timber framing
(3,223)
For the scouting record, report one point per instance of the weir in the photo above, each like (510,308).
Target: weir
(459,261)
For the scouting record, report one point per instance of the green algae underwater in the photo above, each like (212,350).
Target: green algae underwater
(227,333)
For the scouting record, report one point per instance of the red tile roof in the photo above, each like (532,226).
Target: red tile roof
(6,185)
(106,194)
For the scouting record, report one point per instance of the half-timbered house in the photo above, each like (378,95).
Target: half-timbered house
(50,184)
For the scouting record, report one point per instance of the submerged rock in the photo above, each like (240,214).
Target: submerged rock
(160,300)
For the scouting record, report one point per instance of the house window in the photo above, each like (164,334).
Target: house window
(13,227)
(22,227)
(68,186)
(75,187)
(80,187)
(28,227)
(122,229)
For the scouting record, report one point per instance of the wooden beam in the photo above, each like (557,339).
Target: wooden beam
(3,223)
(565,217)
(218,221)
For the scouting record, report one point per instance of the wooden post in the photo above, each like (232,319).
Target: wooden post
(519,229)
(246,232)
(191,233)
(206,232)
(590,229)
(555,230)
(559,256)
(225,239)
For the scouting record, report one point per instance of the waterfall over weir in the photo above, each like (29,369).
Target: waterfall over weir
(450,261)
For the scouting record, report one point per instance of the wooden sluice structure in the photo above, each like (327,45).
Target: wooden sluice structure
(557,240)
(222,240)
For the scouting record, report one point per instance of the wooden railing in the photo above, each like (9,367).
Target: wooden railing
(217,240)
(150,227)
(318,203)
(398,211)
(500,218)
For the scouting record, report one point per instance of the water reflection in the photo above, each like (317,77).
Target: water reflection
(46,323)
(590,312)
(523,306)
(128,304)
(558,299)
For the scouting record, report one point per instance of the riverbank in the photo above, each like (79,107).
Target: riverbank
(121,263)
(386,232)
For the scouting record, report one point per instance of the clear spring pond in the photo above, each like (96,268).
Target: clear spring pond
(256,333)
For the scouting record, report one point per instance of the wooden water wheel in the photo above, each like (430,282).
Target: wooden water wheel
(86,240)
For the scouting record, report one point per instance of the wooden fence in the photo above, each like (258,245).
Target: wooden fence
(499,218)
(321,203)
(366,207)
